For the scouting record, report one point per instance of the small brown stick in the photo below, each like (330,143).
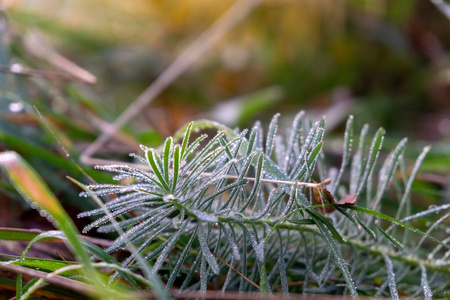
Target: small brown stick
(236,271)
(106,162)
(70,284)
(50,75)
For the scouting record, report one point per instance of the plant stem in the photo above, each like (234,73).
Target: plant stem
(433,265)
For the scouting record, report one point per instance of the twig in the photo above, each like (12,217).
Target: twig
(17,231)
(17,69)
(106,162)
(196,50)
(70,284)
(236,271)
(34,44)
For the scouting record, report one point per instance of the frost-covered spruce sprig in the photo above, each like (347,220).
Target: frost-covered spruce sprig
(244,211)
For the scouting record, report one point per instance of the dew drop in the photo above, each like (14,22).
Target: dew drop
(16,68)
(15,107)
(376,221)
(67,155)
(168,197)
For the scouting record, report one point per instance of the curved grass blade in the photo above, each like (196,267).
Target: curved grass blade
(17,234)
(146,269)
(29,184)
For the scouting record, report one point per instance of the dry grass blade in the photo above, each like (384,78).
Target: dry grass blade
(196,50)
(68,283)
(37,47)
(50,75)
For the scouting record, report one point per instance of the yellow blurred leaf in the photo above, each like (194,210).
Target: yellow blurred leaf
(28,183)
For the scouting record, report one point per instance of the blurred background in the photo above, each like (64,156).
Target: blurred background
(82,63)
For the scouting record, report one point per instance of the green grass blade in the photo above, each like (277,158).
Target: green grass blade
(145,267)
(16,234)
(33,189)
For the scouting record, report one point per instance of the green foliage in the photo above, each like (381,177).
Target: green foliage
(237,212)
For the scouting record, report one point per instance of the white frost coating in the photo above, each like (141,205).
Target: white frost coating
(203,276)
(203,216)
(229,275)
(206,252)
(165,252)
(283,277)
(235,250)
(426,212)
(391,277)
(427,293)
